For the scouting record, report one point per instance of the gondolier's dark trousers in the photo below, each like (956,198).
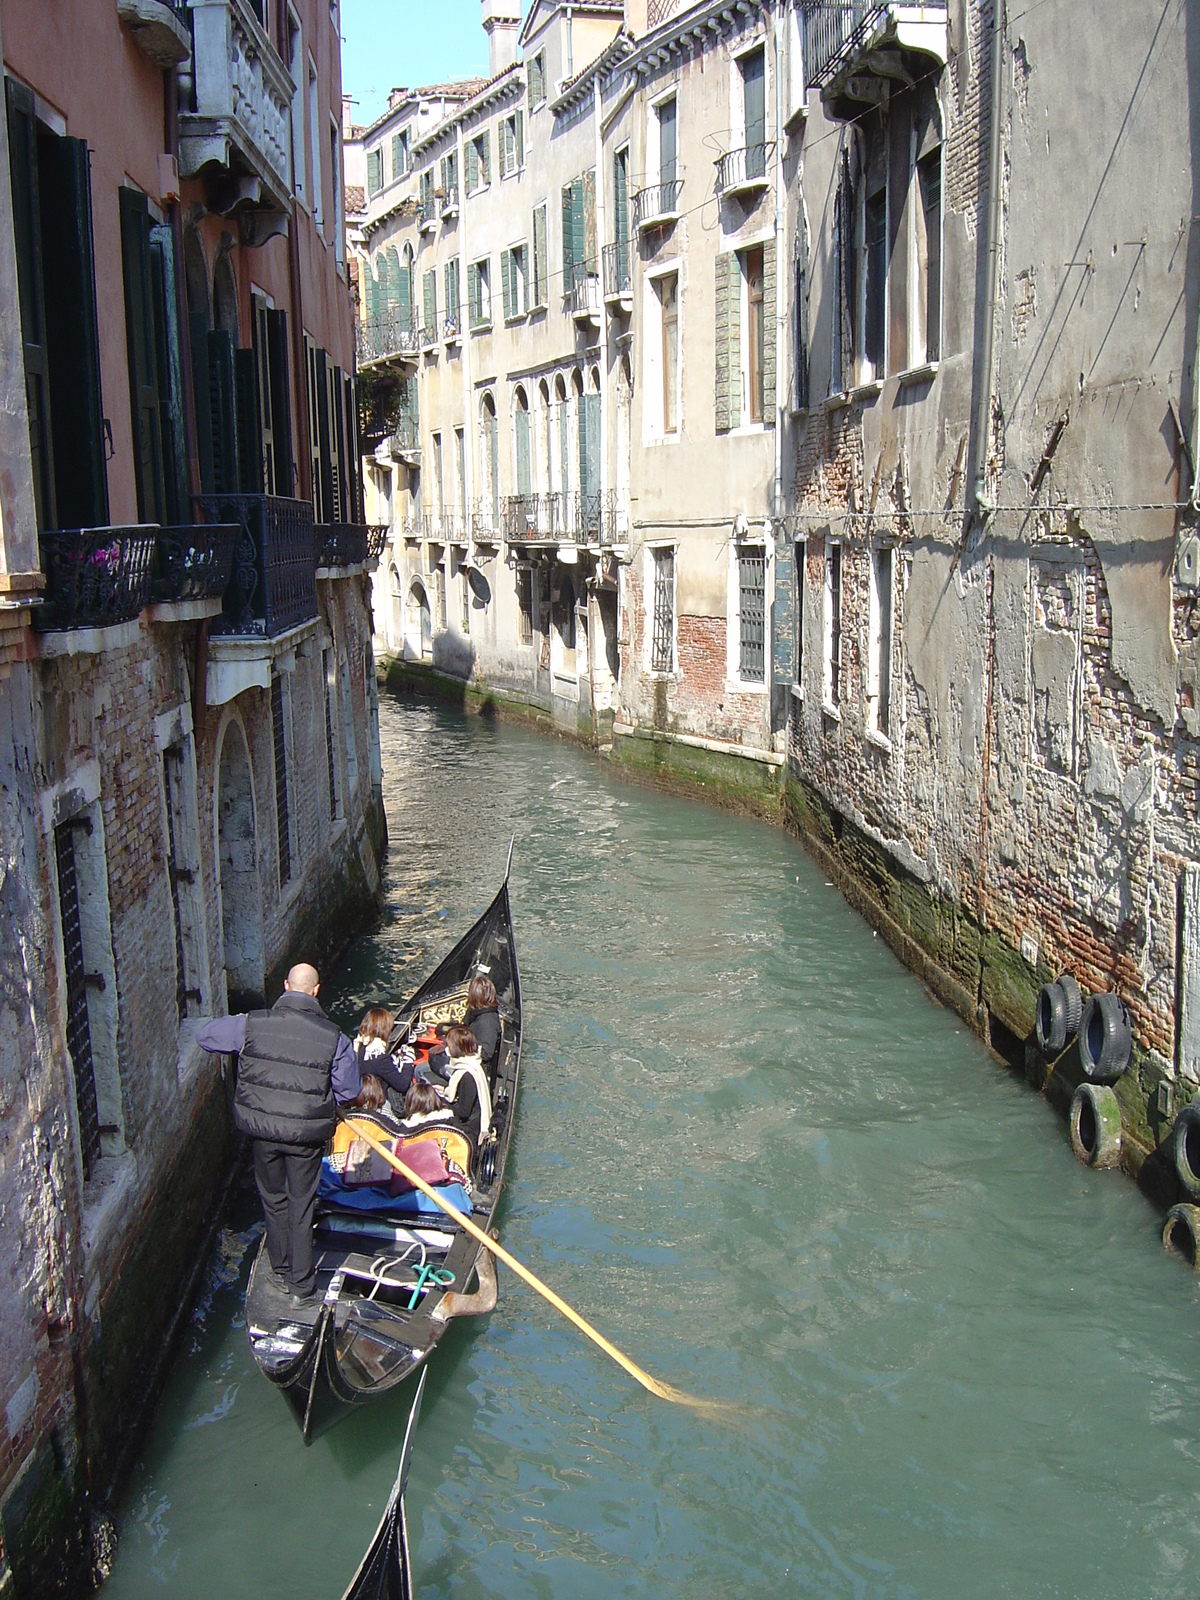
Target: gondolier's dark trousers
(287,1176)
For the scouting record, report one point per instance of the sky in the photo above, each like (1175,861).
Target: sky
(390,42)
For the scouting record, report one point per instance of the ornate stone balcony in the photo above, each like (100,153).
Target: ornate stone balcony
(160,28)
(238,131)
(857,51)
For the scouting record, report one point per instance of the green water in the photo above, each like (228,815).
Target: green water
(753,1150)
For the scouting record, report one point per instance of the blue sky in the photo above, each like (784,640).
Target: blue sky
(390,42)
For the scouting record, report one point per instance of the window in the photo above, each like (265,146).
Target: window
(621,198)
(464,598)
(295,56)
(754,111)
(460,468)
(449,173)
(427,205)
(535,72)
(879,659)
(479,162)
(795,58)
(665,148)
(662,638)
(512,273)
(314,134)
(330,677)
(439,589)
(479,293)
(83,912)
(800,334)
(524,605)
(745,364)
(279,738)
(490,431)
(451,285)
(541,276)
(399,154)
(756,333)
(183,870)
(832,688)
(348,730)
(439,482)
(798,611)
(512,144)
(667,289)
(56,291)
(374,171)
(338,217)
(522,441)
(872,308)
(752,591)
(928,216)
(429,302)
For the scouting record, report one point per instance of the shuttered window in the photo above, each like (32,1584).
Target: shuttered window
(429,299)
(541,275)
(728,300)
(770,291)
(479,294)
(621,196)
(281,402)
(27,226)
(451,277)
(375,171)
(512,144)
(399,155)
(512,274)
(479,161)
(249,424)
(589,464)
(800,320)
(141,345)
(536,73)
(450,175)
(336,508)
(335,805)
(524,475)
(265,397)
(575,230)
(79,1033)
(215,406)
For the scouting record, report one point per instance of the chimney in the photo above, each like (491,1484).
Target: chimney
(347,117)
(502,24)
(635,17)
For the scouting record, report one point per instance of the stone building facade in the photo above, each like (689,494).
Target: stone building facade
(189,767)
(896,375)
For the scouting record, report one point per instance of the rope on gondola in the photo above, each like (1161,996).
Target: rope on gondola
(665,1391)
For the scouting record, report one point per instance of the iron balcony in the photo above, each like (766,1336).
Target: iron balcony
(657,204)
(745,171)
(273,585)
(395,336)
(841,38)
(618,274)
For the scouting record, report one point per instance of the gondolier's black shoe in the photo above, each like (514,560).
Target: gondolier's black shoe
(306,1302)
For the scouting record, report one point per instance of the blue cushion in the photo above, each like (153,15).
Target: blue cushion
(372,1197)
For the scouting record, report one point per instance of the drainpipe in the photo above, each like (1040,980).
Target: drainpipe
(464,344)
(984,502)
(780,229)
(570,43)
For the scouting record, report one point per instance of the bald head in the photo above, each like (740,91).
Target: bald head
(302,979)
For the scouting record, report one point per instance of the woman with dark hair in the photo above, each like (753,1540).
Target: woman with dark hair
(483,1019)
(423,1105)
(374,1056)
(467,1092)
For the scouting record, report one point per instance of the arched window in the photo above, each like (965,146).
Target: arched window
(490,430)
(225,299)
(563,429)
(544,451)
(521,427)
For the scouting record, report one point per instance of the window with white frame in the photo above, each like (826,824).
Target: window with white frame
(879,653)
(661,357)
(479,161)
(513,281)
(832,664)
(314,133)
(750,577)
(661,608)
(295,50)
(512,144)
(479,293)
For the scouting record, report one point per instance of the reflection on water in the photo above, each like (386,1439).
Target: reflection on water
(756,1154)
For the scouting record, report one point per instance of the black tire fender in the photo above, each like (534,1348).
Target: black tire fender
(1185,1145)
(1095,1124)
(1105,1038)
(1181,1233)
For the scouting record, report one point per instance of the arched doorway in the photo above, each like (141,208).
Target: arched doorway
(562,651)
(419,640)
(237,858)
(395,631)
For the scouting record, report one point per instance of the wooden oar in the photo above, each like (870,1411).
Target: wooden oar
(665,1391)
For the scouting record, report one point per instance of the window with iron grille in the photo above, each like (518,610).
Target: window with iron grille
(833,623)
(181,874)
(79,1033)
(282,819)
(662,639)
(752,590)
(335,803)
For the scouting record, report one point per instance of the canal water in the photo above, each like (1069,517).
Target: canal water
(754,1151)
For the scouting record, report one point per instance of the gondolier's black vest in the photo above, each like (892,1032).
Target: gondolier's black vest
(284,1089)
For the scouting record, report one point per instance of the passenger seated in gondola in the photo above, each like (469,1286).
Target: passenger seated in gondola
(423,1105)
(373,1097)
(374,1055)
(467,1091)
(483,1019)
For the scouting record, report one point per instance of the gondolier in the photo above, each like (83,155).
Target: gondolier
(295,1067)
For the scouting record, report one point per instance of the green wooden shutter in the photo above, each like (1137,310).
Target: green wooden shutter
(374,171)
(578,229)
(768,352)
(429,295)
(568,241)
(589,458)
(23,165)
(249,424)
(519,136)
(530,75)
(163,275)
(397,157)
(540,265)
(506,280)
(801,327)
(140,346)
(494,441)
(473,293)
(728,335)
(337,444)
(222,409)
(451,291)
(324,443)
(472,166)
(524,484)
(281,401)
(72,335)
(621,196)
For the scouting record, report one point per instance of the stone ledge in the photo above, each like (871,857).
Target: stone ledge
(185,610)
(87,641)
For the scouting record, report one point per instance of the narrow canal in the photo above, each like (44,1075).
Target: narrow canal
(754,1151)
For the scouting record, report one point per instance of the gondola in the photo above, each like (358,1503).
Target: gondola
(390,1281)
(385,1572)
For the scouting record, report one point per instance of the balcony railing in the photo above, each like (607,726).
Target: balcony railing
(657,203)
(742,171)
(193,563)
(839,36)
(594,516)
(273,586)
(659,10)
(341,544)
(95,577)
(240,125)
(427,214)
(618,271)
(530,518)
(395,336)
(160,28)
(406,441)
(451,527)
(485,524)
(452,329)
(377,538)
(450,201)
(429,335)
(585,291)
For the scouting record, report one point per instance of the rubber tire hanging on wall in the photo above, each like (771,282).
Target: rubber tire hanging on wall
(1185,1145)
(1105,1038)
(1181,1234)
(1059,1007)
(1095,1126)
